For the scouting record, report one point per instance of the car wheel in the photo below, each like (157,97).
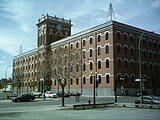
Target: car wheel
(18,100)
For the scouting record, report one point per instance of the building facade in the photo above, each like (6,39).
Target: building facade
(108,53)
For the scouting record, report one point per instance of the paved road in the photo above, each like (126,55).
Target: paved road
(54,113)
(50,109)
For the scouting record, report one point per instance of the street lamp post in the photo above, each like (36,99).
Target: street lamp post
(140,69)
(6,74)
(94,89)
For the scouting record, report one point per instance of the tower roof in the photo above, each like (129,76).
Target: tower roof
(46,17)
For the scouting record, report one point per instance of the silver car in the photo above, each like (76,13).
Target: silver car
(148,100)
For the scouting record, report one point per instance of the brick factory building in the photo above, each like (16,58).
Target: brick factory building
(108,53)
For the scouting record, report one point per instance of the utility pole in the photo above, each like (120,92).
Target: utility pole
(140,70)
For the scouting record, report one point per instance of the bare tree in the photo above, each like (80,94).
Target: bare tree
(65,62)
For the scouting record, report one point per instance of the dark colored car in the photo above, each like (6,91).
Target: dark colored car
(74,93)
(23,98)
(148,100)
(59,94)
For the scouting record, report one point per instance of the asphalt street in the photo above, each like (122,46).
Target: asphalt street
(51,109)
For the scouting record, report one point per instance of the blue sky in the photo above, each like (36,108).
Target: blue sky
(18,20)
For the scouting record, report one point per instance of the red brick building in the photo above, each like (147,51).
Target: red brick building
(108,51)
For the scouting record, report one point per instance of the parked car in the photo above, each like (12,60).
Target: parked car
(23,98)
(74,93)
(148,100)
(59,94)
(50,94)
(36,94)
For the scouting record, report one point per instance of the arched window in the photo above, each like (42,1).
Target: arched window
(91,79)
(77,81)
(99,38)
(125,37)
(118,35)
(77,44)
(107,78)
(91,55)
(84,80)
(84,66)
(106,36)
(91,40)
(125,50)
(118,49)
(99,79)
(99,50)
(107,49)
(99,64)
(91,66)
(107,63)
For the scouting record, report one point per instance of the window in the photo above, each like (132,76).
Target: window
(132,51)
(131,38)
(150,44)
(144,53)
(132,64)
(107,63)
(77,81)
(77,67)
(99,50)
(144,41)
(106,36)
(84,54)
(107,49)
(125,50)
(84,80)
(119,63)
(132,79)
(91,66)
(99,38)
(150,67)
(99,64)
(125,37)
(84,42)
(118,49)
(118,35)
(50,35)
(91,55)
(91,80)
(91,40)
(71,81)
(145,66)
(126,79)
(150,54)
(71,46)
(99,79)
(118,78)
(107,78)
(126,64)
(84,66)
(55,82)
(77,44)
